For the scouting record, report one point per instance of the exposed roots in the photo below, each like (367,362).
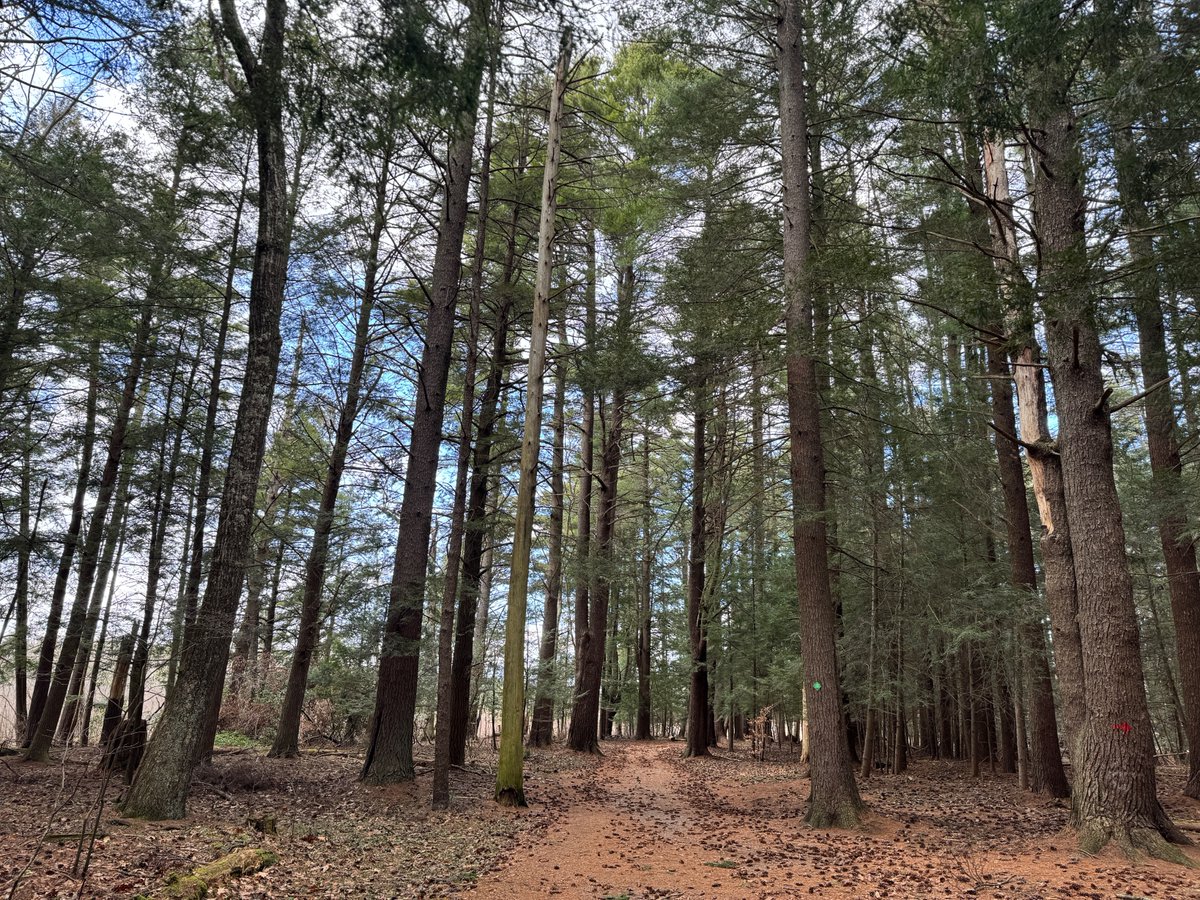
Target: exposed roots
(379,776)
(843,814)
(511,797)
(1134,842)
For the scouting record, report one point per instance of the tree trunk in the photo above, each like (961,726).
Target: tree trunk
(114,707)
(541,731)
(577,736)
(187,615)
(160,787)
(1047,773)
(466,669)
(645,599)
(389,750)
(43,732)
(168,468)
(446,635)
(584,732)
(1045,467)
(41,683)
(287,734)
(834,798)
(27,540)
(1115,794)
(510,781)
(1179,550)
(697,720)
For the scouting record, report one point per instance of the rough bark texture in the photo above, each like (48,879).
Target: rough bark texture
(834,798)
(1046,770)
(645,599)
(1114,794)
(1174,530)
(389,750)
(578,738)
(161,785)
(445,665)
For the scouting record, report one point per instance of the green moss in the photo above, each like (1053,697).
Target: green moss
(187,887)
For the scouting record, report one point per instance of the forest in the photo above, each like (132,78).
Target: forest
(504,448)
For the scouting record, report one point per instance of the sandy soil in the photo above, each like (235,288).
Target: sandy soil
(637,822)
(647,824)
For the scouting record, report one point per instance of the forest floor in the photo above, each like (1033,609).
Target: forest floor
(637,823)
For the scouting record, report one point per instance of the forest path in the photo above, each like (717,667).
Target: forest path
(635,826)
(644,824)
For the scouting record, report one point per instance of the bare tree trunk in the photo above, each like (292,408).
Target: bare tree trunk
(541,730)
(41,683)
(584,732)
(834,798)
(43,732)
(1047,773)
(577,737)
(645,599)
(1045,466)
(187,614)
(287,734)
(389,750)
(510,781)
(1115,794)
(466,669)
(160,787)
(27,540)
(1179,550)
(697,721)
(164,502)
(446,635)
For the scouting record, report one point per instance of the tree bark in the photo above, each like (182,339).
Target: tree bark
(446,636)
(1115,796)
(484,465)
(697,720)
(834,798)
(510,781)
(645,598)
(1046,770)
(1174,529)
(42,734)
(160,787)
(583,735)
(541,730)
(187,615)
(41,683)
(389,750)
(577,737)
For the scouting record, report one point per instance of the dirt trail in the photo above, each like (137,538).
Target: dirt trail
(646,824)
(627,828)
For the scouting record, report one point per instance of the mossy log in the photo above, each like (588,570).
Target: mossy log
(195,885)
